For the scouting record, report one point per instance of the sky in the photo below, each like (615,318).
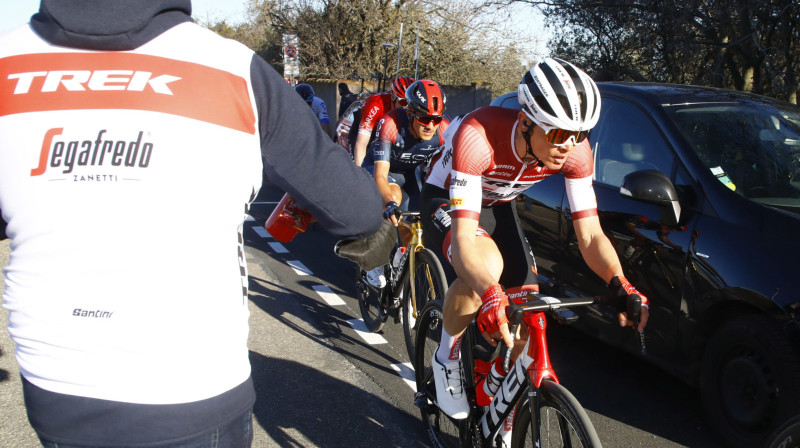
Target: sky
(17,12)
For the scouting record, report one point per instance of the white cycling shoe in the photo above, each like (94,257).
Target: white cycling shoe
(450,395)
(376,278)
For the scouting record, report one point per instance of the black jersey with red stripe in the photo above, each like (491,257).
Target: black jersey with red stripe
(398,146)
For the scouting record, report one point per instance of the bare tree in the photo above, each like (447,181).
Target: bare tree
(459,42)
(749,45)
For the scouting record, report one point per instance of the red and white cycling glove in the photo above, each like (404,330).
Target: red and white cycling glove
(493,311)
(622,288)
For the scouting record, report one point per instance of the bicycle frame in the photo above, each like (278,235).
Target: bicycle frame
(414,246)
(530,369)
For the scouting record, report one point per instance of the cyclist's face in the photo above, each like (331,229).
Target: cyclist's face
(423,130)
(553,156)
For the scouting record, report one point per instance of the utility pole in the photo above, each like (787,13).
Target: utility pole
(384,77)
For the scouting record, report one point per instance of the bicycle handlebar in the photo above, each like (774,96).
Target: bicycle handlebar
(552,304)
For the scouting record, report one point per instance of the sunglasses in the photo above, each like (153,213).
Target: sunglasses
(425,121)
(561,137)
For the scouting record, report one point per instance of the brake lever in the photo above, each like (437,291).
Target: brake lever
(634,309)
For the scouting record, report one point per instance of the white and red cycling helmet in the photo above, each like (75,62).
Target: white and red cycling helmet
(558,94)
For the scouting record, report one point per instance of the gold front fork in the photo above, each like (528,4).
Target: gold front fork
(414,246)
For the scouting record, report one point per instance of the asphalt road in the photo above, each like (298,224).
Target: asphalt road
(322,383)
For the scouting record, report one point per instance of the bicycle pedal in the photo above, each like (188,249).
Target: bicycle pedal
(421,401)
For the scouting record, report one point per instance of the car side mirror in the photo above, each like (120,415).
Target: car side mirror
(653,187)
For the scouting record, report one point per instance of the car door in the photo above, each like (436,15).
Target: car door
(541,216)
(653,255)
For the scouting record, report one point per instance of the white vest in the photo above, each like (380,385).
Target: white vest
(124,179)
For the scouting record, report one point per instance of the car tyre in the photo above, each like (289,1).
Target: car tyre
(750,380)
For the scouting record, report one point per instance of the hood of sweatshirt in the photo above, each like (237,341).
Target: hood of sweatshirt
(107,24)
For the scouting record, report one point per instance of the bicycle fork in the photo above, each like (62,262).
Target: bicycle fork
(414,245)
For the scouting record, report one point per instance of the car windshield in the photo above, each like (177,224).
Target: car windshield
(752,148)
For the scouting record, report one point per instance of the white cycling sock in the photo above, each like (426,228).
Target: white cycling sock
(449,348)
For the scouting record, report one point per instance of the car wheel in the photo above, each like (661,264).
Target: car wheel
(750,380)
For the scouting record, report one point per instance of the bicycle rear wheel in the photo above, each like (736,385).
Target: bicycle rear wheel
(564,421)
(369,302)
(429,284)
(443,431)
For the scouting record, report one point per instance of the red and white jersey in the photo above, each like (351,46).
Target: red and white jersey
(481,167)
(375,107)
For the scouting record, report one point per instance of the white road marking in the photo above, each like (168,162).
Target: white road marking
(278,248)
(299,267)
(406,372)
(369,337)
(262,232)
(328,295)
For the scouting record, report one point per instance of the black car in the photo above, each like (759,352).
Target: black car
(698,190)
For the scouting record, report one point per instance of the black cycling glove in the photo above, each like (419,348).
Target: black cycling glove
(372,251)
(391,209)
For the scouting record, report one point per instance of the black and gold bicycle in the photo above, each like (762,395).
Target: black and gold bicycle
(413,278)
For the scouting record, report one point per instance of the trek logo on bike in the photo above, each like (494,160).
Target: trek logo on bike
(509,393)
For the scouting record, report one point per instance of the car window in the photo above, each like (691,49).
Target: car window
(751,148)
(626,140)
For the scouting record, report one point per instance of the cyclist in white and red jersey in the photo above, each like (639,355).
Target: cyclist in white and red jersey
(491,156)
(375,107)
(407,138)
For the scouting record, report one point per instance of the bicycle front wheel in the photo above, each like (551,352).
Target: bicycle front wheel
(443,431)
(564,421)
(369,302)
(429,284)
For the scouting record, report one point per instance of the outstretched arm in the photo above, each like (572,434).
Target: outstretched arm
(601,257)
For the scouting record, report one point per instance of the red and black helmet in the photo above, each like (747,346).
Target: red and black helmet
(400,85)
(425,99)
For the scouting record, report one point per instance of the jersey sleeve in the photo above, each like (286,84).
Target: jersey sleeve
(471,157)
(370,113)
(578,170)
(442,129)
(303,161)
(387,134)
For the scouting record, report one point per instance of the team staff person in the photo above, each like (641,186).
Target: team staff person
(118,120)
(492,156)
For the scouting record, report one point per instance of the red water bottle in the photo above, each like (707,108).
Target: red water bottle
(287,220)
